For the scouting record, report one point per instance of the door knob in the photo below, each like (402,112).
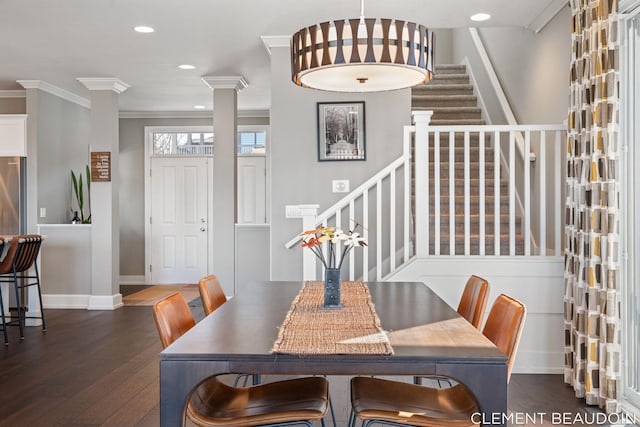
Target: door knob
(203,229)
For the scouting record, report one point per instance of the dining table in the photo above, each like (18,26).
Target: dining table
(427,336)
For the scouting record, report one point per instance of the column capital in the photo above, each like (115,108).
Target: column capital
(225,82)
(104,83)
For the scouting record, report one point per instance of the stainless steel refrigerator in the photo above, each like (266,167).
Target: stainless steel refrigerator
(12,195)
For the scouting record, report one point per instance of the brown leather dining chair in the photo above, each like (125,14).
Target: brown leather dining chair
(211,293)
(14,268)
(298,401)
(212,296)
(378,401)
(472,305)
(473,301)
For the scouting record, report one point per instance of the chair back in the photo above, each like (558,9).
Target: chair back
(211,293)
(173,318)
(474,300)
(504,326)
(22,254)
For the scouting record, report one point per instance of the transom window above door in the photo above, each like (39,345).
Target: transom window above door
(252,141)
(183,143)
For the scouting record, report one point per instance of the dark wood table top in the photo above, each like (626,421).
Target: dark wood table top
(246,327)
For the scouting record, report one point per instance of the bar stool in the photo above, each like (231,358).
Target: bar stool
(4,319)
(14,268)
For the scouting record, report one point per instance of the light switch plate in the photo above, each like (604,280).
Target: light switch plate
(340,185)
(292,211)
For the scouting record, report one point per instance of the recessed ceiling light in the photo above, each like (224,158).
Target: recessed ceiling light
(186,67)
(480,17)
(199,107)
(143,29)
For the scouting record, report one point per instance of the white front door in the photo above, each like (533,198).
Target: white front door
(179,219)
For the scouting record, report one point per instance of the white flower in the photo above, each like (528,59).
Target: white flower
(338,236)
(354,239)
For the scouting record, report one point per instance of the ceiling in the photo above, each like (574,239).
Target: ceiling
(57,41)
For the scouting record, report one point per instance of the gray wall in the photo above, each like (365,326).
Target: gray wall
(132,225)
(532,68)
(444,46)
(13,105)
(296,175)
(533,71)
(63,132)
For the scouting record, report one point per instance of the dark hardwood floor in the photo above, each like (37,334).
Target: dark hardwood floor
(100,368)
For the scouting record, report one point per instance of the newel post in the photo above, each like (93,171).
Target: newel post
(421,120)
(309,214)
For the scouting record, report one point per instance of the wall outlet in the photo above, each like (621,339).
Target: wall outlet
(43,212)
(340,185)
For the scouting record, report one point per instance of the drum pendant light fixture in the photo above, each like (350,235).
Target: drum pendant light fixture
(362,55)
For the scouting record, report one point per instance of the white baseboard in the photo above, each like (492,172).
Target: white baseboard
(82,302)
(133,280)
(65,301)
(537,362)
(105,302)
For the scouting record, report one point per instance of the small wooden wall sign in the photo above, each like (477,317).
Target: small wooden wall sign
(101,166)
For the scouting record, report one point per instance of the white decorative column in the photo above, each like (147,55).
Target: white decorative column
(421,120)
(105,209)
(225,102)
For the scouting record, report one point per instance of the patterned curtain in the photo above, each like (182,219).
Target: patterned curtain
(592,313)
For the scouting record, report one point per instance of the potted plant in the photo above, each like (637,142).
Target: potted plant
(78,190)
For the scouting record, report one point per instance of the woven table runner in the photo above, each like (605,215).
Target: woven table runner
(353,329)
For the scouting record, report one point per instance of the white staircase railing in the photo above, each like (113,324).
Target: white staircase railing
(382,208)
(515,205)
(526,208)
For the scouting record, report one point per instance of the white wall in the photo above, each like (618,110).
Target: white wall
(296,175)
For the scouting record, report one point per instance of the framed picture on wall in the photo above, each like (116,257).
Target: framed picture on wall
(341,133)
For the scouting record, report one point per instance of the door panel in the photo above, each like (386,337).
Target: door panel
(179,191)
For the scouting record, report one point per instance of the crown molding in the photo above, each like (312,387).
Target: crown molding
(275,41)
(13,93)
(539,22)
(104,83)
(225,82)
(202,114)
(55,90)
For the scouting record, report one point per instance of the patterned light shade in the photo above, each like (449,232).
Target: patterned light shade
(362,55)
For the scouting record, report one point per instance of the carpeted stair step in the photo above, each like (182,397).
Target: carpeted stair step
(456,113)
(459,170)
(458,155)
(450,69)
(456,122)
(437,100)
(443,89)
(474,187)
(450,79)
(475,245)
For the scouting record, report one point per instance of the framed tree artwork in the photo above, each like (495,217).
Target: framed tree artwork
(341,131)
